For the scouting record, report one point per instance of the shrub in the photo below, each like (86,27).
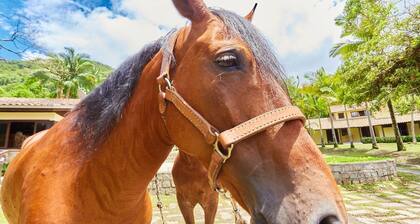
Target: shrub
(4,168)
(368,140)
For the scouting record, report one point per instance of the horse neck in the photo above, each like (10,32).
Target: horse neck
(138,144)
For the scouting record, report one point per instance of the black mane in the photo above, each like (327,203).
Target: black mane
(103,107)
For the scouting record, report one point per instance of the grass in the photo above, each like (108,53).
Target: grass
(334,159)
(364,152)
(410,167)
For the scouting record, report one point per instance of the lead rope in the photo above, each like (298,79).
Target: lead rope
(159,203)
(235,210)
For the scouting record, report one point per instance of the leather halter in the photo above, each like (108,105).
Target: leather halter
(225,139)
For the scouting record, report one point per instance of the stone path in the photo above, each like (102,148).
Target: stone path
(385,207)
(391,206)
(397,207)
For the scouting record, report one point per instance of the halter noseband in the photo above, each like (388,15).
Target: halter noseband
(227,138)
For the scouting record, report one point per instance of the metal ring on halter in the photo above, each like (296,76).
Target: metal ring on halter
(168,83)
(221,191)
(217,149)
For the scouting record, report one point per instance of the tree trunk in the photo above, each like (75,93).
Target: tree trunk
(320,131)
(68,93)
(309,127)
(372,132)
(348,128)
(333,129)
(413,127)
(59,92)
(400,145)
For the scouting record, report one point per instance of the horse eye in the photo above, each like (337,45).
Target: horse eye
(227,60)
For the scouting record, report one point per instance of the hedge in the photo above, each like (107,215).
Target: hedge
(367,140)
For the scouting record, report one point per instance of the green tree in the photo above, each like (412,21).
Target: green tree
(381,54)
(409,104)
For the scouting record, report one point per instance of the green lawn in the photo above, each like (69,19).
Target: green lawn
(364,152)
(333,159)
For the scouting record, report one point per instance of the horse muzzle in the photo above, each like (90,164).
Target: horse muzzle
(325,219)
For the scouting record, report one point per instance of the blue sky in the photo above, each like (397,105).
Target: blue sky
(302,31)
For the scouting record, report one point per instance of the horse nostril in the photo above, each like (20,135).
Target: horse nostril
(330,219)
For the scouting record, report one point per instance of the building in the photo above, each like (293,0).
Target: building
(22,117)
(359,124)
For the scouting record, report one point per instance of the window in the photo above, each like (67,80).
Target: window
(340,115)
(19,131)
(344,132)
(403,129)
(40,126)
(366,132)
(358,113)
(355,114)
(3,133)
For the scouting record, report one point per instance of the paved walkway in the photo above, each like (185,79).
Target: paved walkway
(396,207)
(385,207)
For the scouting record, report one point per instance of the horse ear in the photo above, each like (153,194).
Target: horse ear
(251,14)
(194,10)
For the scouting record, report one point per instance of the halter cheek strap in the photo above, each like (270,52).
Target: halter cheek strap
(223,142)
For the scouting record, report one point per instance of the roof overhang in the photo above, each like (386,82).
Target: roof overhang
(29,116)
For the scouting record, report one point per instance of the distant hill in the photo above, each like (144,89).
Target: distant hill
(16,79)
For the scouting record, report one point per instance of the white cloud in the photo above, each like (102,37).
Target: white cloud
(31,55)
(294,26)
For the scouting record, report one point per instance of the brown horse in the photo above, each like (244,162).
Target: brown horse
(193,189)
(95,164)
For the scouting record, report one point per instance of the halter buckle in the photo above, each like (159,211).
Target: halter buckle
(217,149)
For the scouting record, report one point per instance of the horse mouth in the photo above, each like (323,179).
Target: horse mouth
(329,219)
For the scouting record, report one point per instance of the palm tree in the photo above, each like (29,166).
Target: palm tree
(345,49)
(69,71)
(323,84)
(344,96)
(360,32)
(301,99)
(80,71)
(318,105)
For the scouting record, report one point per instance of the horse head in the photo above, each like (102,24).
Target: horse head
(227,72)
